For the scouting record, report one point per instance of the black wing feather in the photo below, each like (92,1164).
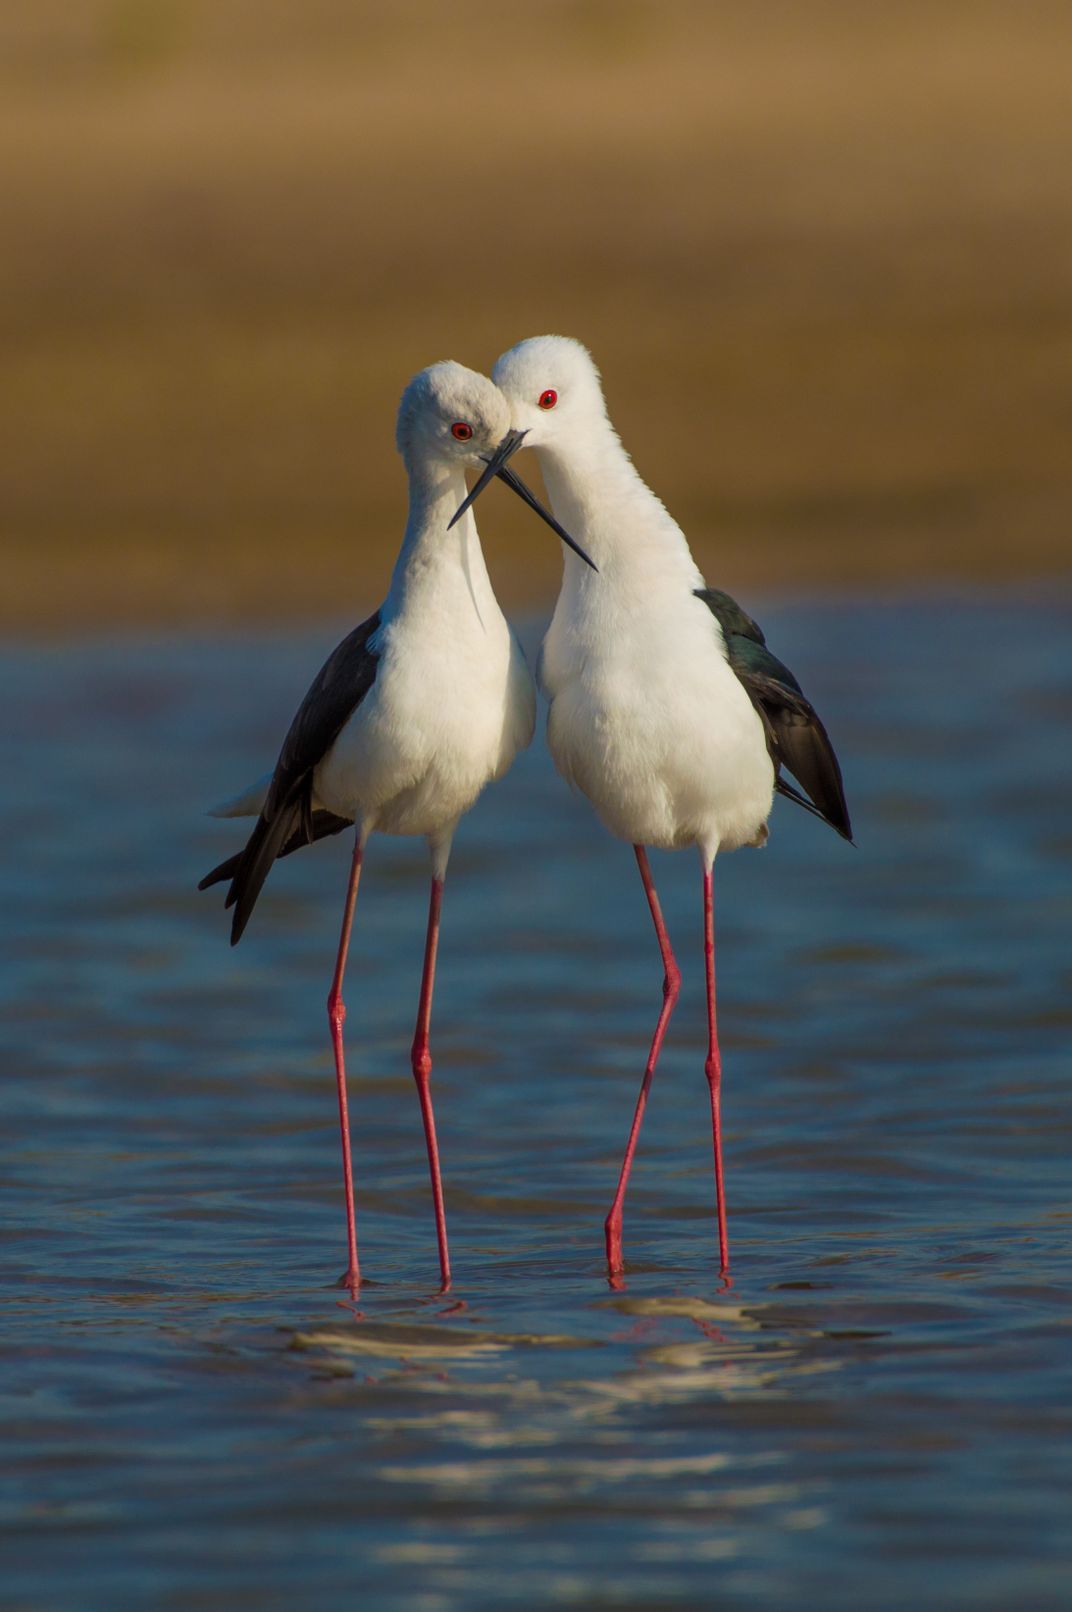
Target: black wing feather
(269,835)
(287,820)
(323,824)
(786,789)
(337,690)
(796,738)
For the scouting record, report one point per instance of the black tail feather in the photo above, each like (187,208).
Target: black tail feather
(256,860)
(223,870)
(323,824)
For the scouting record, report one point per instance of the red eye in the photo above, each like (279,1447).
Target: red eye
(461,430)
(548,399)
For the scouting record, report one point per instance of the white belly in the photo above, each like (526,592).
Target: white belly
(437,725)
(658,732)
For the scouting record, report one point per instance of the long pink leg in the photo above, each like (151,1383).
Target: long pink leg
(671,988)
(337,1018)
(713,1067)
(422,1074)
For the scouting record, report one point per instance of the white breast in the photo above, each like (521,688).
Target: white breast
(452,704)
(649,721)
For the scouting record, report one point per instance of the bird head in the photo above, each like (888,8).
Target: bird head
(552,387)
(451,414)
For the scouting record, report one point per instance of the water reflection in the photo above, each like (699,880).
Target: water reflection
(194,1415)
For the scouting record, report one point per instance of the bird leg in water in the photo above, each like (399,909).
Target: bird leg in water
(713,1067)
(422,1074)
(336,1018)
(671,988)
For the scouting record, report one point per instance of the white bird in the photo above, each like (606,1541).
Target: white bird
(666,708)
(412,714)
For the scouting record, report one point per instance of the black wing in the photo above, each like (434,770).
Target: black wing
(324,825)
(796,737)
(287,820)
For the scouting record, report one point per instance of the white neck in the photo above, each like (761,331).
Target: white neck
(434,563)
(598,495)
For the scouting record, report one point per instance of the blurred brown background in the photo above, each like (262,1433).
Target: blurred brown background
(821,249)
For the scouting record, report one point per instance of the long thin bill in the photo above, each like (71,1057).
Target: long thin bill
(497,466)
(526,494)
(492,468)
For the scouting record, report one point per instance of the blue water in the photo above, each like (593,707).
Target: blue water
(876,1414)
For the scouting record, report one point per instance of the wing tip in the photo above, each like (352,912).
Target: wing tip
(834,814)
(838,818)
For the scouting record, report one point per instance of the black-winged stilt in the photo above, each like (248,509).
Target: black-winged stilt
(411,715)
(666,707)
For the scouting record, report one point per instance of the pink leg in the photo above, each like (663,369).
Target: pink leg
(671,988)
(336,1018)
(713,1068)
(422,1074)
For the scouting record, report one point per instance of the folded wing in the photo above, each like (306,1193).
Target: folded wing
(287,820)
(796,738)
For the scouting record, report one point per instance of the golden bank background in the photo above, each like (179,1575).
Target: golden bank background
(821,250)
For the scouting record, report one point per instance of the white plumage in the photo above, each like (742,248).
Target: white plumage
(646,716)
(453,701)
(666,707)
(411,715)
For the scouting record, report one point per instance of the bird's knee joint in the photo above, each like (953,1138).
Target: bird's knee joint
(672,982)
(713,1071)
(421,1060)
(336,1011)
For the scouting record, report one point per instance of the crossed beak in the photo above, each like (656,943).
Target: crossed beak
(497,465)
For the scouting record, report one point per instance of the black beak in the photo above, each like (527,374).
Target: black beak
(527,496)
(497,466)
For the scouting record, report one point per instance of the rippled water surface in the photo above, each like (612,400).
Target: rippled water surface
(876,1414)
